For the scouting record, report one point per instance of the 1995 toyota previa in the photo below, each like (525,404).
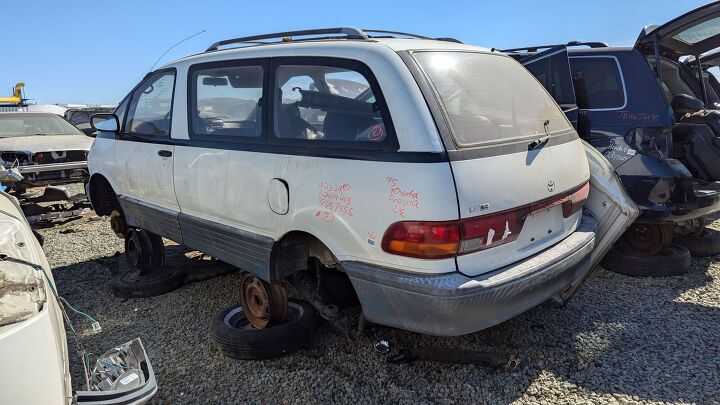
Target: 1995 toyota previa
(440,178)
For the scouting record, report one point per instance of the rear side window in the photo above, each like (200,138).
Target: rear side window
(150,111)
(603,81)
(553,72)
(227,101)
(490,98)
(334,103)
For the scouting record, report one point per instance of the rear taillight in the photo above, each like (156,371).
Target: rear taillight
(488,231)
(427,240)
(439,240)
(575,201)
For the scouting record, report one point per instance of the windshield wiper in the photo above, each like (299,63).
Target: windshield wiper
(539,142)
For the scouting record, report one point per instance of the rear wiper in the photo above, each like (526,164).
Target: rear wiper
(541,141)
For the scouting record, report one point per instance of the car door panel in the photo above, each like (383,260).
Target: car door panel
(144,158)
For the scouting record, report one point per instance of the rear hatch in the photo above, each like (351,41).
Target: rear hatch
(520,170)
(693,33)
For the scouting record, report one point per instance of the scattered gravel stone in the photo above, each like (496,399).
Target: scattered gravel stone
(621,340)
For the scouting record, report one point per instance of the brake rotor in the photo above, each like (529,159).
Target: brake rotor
(118,224)
(647,239)
(262,302)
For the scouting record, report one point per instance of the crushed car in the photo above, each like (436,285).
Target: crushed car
(644,122)
(438,179)
(33,343)
(45,149)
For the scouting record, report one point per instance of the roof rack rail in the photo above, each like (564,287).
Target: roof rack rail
(350,33)
(571,43)
(407,34)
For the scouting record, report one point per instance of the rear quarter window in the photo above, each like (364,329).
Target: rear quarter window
(490,98)
(603,81)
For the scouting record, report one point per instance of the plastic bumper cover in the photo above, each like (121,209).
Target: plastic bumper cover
(705,200)
(452,304)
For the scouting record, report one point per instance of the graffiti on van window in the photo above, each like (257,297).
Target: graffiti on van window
(631,116)
(402,200)
(334,199)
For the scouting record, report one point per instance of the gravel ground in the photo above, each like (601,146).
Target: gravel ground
(621,340)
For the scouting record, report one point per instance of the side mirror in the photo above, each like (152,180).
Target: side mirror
(105,122)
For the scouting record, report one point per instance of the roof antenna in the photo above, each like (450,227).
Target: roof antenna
(169,49)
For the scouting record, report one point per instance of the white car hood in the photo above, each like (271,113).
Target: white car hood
(45,143)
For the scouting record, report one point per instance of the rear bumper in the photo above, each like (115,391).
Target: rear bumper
(704,201)
(452,304)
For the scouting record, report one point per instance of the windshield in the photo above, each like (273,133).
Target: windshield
(30,124)
(490,97)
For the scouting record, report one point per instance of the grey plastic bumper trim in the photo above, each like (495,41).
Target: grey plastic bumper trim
(452,304)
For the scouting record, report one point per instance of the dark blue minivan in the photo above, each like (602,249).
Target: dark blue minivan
(651,123)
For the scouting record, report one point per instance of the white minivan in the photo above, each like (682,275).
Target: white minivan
(441,178)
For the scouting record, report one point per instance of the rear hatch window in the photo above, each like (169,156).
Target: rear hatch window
(490,98)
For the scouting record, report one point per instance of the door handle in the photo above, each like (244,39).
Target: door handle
(165,153)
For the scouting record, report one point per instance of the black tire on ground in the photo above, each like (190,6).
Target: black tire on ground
(136,285)
(235,337)
(671,261)
(144,251)
(707,244)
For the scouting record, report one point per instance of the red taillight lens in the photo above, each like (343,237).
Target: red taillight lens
(491,230)
(575,201)
(438,240)
(428,240)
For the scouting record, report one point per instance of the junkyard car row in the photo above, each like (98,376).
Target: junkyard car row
(436,184)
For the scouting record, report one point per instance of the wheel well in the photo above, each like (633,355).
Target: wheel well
(102,196)
(292,252)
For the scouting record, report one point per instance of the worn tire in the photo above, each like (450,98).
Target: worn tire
(707,244)
(136,285)
(234,337)
(671,261)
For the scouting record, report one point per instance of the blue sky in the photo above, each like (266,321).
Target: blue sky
(96,51)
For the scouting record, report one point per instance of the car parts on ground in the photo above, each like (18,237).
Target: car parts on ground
(146,270)
(32,332)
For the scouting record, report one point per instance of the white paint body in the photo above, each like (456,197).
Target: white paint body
(33,351)
(233,187)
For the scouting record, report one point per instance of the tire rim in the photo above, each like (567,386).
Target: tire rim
(133,249)
(255,300)
(236,317)
(648,239)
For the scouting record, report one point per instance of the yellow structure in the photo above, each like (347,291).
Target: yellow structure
(16,97)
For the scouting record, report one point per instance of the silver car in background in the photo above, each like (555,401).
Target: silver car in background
(46,149)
